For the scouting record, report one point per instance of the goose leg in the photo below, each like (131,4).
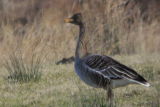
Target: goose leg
(110,96)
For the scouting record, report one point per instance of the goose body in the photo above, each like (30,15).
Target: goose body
(98,70)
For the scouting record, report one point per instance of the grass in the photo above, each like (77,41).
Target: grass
(60,87)
(21,71)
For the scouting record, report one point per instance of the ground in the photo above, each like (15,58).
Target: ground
(61,87)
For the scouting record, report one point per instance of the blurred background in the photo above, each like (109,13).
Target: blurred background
(113,27)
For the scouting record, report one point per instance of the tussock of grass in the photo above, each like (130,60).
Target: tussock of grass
(21,71)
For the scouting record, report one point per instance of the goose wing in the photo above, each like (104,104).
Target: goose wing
(112,69)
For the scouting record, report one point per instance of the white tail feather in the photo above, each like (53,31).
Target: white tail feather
(144,84)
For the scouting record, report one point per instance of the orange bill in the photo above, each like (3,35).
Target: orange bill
(68,20)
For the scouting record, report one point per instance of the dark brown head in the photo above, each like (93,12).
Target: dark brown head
(75,19)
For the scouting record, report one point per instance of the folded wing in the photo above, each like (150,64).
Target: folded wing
(112,69)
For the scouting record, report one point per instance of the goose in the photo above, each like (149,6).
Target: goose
(101,71)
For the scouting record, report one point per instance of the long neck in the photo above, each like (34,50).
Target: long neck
(79,42)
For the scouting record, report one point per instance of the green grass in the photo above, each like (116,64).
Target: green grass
(60,87)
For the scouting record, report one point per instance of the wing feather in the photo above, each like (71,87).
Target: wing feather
(111,68)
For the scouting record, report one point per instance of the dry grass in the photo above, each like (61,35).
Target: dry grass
(21,71)
(112,27)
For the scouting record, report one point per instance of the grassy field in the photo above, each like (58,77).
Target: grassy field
(60,87)
(33,33)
